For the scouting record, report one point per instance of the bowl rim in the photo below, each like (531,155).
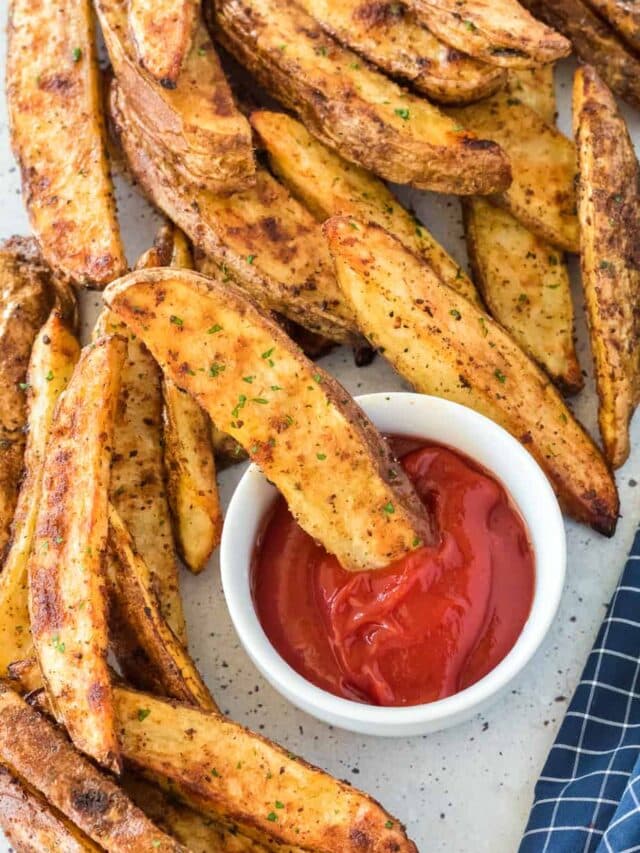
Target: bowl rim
(550,567)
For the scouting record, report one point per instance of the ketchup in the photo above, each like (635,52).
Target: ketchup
(427,626)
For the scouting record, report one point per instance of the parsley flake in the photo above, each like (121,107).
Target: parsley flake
(177,321)
(403,113)
(143,713)
(389,508)
(499,375)
(216,328)
(272,816)
(76,54)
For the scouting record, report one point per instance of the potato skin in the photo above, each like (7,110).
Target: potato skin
(448,348)
(162,31)
(294,419)
(368,119)
(57,134)
(609,211)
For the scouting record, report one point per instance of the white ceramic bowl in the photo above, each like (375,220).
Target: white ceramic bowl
(417,416)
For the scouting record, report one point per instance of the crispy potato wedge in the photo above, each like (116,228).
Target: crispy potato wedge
(543,161)
(501,32)
(534,87)
(367,118)
(53,358)
(609,211)
(32,825)
(67,597)
(329,185)
(623,17)
(595,42)
(226,449)
(388,35)
(261,238)
(245,372)
(252,777)
(25,298)
(57,134)
(195,122)
(525,285)
(162,31)
(139,607)
(457,352)
(42,756)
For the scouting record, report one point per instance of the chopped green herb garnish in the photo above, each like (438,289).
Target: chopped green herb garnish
(470,26)
(276,388)
(321,456)
(49,376)
(355,66)
(389,508)
(216,328)
(215,773)
(317,378)
(388,824)
(499,375)
(216,369)
(76,54)
(403,113)
(321,51)
(606,265)
(201,51)
(177,321)
(57,645)
(455,314)
(242,401)
(250,259)
(24,386)
(260,400)
(523,297)
(248,379)
(278,804)
(268,353)
(143,713)
(416,541)
(272,816)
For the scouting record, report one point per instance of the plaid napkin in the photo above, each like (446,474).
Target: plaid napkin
(587,799)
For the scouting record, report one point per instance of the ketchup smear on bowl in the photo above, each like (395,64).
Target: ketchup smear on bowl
(427,626)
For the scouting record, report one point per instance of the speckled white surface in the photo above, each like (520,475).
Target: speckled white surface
(469,788)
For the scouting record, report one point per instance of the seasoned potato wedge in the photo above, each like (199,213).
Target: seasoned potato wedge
(352,108)
(388,35)
(535,88)
(53,358)
(32,825)
(57,133)
(252,778)
(195,121)
(499,31)
(542,195)
(67,599)
(25,298)
(42,756)
(595,42)
(261,238)
(257,385)
(455,351)
(162,31)
(525,285)
(609,211)
(329,185)
(623,16)
(174,669)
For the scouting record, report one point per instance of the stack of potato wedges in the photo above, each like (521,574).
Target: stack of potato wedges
(283,239)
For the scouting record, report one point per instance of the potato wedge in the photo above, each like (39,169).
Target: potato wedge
(32,825)
(42,756)
(367,118)
(195,122)
(25,298)
(162,31)
(535,87)
(595,42)
(329,185)
(67,599)
(245,372)
(139,607)
(542,195)
(609,211)
(229,772)
(498,31)
(53,358)
(457,352)
(525,285)
(57,134)
(388,35)
(623,17)
(261,238)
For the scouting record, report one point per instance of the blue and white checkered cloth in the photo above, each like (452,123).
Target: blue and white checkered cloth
(587,799)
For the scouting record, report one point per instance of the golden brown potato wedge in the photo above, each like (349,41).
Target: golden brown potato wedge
(41,755)
(329,185)
(455,351)
(261,238)
(195,122)
(53,358)
(57,133)
(32,825)
(229,772)
(67,598)
(525,285)
(257,385)
(609,211)
(595,42)
(162,31)
(498,31)
(25,298)
(534,87)
(543,161)
(623,16)
(388,35)
(367,118)
(132,581)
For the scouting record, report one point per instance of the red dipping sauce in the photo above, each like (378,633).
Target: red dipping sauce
(427,626)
